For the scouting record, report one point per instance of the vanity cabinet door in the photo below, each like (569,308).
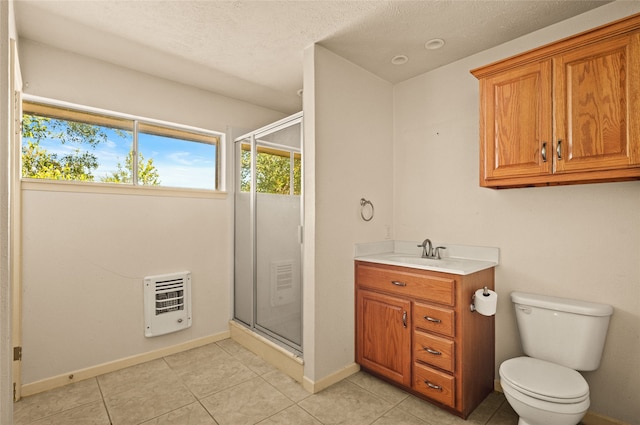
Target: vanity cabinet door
(384,335)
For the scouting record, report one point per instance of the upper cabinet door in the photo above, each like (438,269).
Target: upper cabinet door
(516,123)
(594,88)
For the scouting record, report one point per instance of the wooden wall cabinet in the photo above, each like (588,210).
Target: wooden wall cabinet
(565,113)
(414,328)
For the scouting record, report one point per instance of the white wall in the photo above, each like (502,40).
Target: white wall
(578,241)
(58,74)
(348,155)
(85,254)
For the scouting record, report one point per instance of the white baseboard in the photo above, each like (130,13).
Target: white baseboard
(317,386)
(101,369)
(287,362)
(591,418)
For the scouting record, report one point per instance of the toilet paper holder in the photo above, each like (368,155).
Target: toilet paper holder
(485,292)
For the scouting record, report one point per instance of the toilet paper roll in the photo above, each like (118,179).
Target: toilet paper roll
(486,304)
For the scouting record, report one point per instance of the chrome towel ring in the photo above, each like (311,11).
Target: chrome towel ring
(363,205)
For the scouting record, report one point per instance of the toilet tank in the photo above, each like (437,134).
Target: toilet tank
(561,330)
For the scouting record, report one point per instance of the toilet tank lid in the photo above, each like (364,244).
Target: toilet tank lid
(586,308)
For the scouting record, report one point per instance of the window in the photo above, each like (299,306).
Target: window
(275,170)
(60,143)
(184,160)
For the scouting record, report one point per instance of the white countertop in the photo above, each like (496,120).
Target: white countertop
(456,259)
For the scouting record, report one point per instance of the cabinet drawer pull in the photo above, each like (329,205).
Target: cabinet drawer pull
(432,319)
(544,152)
(404,319)
(398,283)
(432,351)
(433,386)
(559,149)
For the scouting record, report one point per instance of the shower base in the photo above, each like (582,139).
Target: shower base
(287,362)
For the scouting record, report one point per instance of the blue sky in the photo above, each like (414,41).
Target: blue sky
(179,163)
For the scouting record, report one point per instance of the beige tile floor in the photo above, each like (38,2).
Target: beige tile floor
(225,384)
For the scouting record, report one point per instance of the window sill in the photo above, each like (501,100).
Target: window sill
(117,189)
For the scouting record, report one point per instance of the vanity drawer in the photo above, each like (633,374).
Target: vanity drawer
(434,319)
(436,385)
(434,350)
(400,281)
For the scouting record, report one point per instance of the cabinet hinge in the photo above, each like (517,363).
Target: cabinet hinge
(17,354)
(15,392)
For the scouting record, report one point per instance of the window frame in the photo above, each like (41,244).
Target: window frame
(70,111)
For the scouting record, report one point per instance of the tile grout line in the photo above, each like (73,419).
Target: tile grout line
(309,413)
(504,403)
(49,415)
(495,412)
(104,402)
(295,403)
(393,406)
(197,399)
(208,413)
(379,397)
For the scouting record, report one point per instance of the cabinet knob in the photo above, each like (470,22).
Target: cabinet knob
(404,319)
(398,283)
(544,152)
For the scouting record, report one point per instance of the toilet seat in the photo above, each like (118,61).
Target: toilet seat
(527,406)
(543,380)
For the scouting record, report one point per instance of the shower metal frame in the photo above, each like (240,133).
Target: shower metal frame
(254,137)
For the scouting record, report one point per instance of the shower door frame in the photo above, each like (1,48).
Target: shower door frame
(253,137)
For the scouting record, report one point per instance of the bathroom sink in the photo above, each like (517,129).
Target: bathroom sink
(461,266)
(424,261)
(456,259)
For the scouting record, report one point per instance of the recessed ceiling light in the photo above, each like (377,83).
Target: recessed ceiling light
(434,43)
(399,60)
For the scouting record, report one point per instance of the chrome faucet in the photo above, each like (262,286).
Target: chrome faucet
(428,251)
(436,252)
(427,247)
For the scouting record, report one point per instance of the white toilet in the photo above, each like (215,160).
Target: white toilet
(560,336)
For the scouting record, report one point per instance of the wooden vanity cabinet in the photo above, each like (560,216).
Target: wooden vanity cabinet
(414,328)
(564,113)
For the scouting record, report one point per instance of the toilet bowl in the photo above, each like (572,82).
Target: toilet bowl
(544,393)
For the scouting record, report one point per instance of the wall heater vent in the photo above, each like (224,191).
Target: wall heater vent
(282,282)
(167,303)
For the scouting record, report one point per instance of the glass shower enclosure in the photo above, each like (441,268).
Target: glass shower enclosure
(268,232)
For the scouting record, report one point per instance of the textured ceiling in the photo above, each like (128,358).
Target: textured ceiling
(252,50)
